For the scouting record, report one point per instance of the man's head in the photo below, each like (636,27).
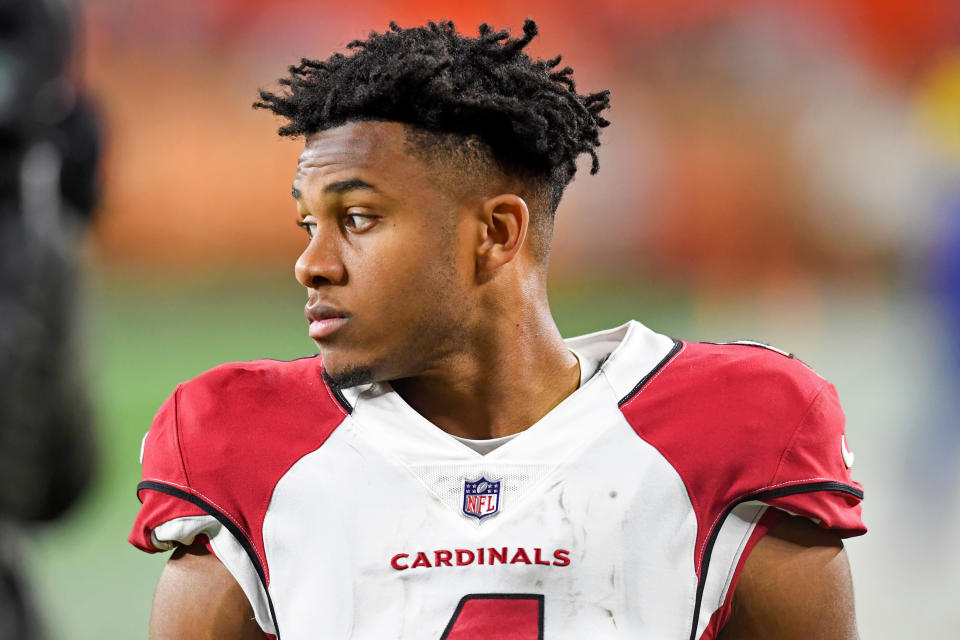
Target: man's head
(432,169)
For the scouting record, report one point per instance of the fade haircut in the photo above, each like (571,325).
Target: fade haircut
(479,98)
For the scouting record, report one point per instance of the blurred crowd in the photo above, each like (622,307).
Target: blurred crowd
(753,143)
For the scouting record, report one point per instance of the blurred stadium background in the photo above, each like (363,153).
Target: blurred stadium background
(786,172)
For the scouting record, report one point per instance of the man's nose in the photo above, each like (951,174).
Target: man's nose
(321,262)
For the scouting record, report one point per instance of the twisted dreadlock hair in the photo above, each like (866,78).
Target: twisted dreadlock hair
(526,114)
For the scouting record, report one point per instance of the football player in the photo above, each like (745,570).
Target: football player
(450,466)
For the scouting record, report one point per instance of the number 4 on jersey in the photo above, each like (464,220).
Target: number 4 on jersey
(497,616)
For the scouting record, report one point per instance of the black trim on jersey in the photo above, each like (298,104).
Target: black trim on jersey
(335,390)
(760,496)
(341,399)
(752,343)
(316,355)
(643,381)
(230,526)
(497,596)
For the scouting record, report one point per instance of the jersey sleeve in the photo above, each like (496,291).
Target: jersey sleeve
(173,512)
(749,430)
(163,467)
(813,477)
(744,423)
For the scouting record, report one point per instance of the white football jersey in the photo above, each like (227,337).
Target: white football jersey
(625,512)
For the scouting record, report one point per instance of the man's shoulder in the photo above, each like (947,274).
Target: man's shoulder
(743,421)
(741,411)
(243,415)
(740,391)
(258,376)
(222,441)
(744,373)
(258,387)
(747,368)
(643,362)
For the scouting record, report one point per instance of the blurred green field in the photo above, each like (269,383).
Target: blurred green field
(145,336)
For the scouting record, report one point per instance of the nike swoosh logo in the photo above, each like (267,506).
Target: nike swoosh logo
(845,452)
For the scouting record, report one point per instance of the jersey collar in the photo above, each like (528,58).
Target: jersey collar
(628,353)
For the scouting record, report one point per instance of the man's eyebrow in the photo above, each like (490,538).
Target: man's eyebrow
(339,187)
(348,185)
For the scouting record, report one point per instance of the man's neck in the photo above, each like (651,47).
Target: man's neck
(512,377)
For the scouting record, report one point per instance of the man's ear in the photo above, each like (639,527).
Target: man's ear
(504,222)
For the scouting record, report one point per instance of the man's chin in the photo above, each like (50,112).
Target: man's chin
(350,376)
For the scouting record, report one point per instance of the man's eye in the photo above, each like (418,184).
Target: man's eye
(310,227)
(359,222)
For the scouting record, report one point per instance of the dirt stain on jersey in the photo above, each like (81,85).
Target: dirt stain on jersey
(613,620)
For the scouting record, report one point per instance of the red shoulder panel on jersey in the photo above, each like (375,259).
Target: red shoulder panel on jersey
(740,423)
(222,441)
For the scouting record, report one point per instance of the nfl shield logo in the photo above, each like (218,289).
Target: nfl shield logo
(481,498)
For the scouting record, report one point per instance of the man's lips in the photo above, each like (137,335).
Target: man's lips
(324,321)
(320,329)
